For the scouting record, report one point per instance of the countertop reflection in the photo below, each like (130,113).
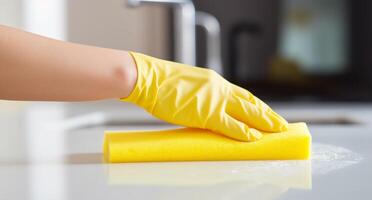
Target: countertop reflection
(216,180)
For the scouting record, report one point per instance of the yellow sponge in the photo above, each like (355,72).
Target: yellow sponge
(189,144)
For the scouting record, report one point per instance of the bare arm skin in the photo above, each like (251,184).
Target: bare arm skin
(33,67)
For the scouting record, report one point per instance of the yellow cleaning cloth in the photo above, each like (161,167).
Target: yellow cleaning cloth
(189,144)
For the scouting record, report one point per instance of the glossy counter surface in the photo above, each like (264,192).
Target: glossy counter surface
(43,156)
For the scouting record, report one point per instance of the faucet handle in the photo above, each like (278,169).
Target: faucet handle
(213,36)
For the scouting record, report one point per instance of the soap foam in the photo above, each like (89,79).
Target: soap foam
(326,158)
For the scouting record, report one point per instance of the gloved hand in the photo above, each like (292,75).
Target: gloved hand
(196,97)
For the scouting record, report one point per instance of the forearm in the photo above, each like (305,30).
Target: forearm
(38,68)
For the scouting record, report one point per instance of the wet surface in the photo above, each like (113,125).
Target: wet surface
(41,160)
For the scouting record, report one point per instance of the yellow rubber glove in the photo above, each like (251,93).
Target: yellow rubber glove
(197,97)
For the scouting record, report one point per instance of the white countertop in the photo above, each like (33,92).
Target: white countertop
(46,154)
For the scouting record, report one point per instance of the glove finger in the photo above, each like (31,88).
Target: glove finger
(246,95)
(274,116)
(255,116)
(235,129)
(281,119)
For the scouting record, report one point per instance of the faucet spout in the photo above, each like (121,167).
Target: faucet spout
(184,27)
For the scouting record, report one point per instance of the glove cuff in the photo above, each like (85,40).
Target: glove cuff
(135,94)
(141,94)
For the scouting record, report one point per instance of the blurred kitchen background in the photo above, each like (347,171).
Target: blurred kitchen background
(309,59)
(287,52)
(280,50)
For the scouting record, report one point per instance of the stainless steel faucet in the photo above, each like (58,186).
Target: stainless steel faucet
(213,31)
(185,20)
(184,25)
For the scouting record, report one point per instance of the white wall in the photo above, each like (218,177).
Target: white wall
(112,24)
(10,12)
